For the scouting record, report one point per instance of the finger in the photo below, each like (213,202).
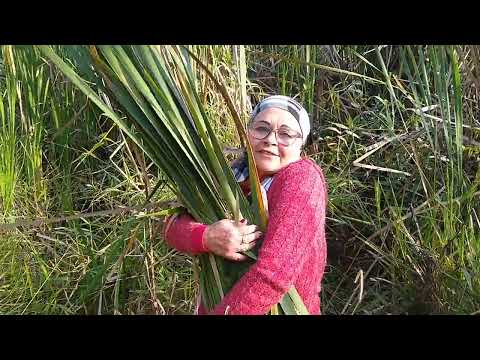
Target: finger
(248,229)
(246,247)
(236,257)
(257,234)
(251,237)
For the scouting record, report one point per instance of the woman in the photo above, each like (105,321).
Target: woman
(293,251)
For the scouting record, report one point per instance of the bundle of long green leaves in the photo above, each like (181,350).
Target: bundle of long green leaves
(156,89)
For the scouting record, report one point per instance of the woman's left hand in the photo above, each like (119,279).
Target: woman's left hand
(228,239)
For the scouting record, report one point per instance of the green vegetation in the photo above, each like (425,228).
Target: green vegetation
(395,129)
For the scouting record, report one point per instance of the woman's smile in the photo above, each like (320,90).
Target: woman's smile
(267,153)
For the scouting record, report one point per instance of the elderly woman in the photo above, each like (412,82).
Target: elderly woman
(293,250)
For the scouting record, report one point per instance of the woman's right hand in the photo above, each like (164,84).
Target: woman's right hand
(226,239)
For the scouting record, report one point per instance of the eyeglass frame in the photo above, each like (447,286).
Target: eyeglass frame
(299,136)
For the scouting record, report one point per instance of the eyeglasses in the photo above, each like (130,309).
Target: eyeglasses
(284,137)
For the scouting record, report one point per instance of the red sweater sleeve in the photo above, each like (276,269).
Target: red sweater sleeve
(183,233)
(297,202)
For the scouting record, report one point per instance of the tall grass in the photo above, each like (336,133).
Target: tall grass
(8,134)
(394,127)
(33,91)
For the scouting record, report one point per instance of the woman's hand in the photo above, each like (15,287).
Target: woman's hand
(226,239)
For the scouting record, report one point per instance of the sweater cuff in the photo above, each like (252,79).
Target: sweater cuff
(197,238)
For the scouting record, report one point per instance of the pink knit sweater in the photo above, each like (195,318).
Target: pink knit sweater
(293,250)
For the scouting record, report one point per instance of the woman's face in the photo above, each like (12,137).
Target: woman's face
(270,155)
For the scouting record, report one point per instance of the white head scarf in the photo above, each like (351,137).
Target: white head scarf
(290,105)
